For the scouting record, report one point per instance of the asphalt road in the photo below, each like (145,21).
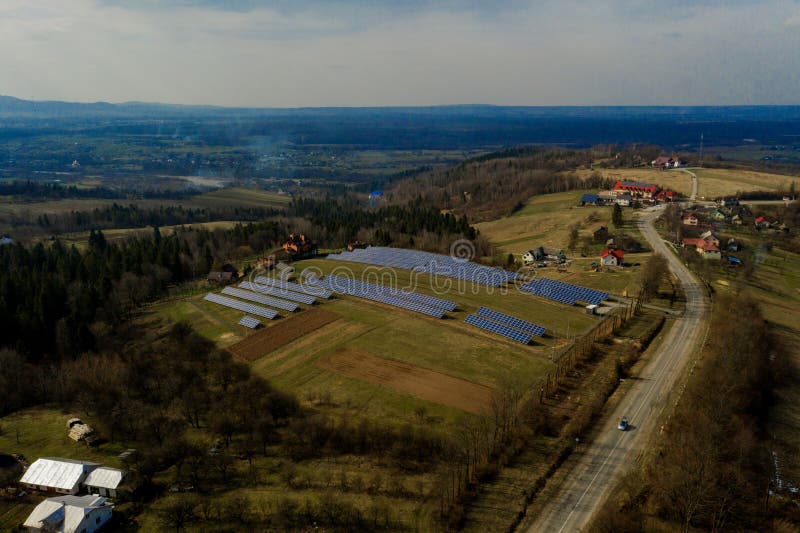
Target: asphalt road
(598,467)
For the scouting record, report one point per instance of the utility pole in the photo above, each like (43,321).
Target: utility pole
(701,149)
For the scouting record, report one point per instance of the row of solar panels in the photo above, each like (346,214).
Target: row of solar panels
(245,307)
(499,329)
(437,264)
(423,299)
(376,293)
(295,287)
(511,321)
(564,292)
(278,292)
(249,322)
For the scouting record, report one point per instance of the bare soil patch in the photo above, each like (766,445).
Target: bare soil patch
(285,331)
(409,379)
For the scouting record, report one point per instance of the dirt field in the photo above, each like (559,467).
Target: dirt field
(409,379)
(285,331)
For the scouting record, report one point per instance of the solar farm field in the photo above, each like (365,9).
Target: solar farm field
(406,350)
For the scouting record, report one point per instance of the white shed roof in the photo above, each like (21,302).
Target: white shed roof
(104,477)
(57,473)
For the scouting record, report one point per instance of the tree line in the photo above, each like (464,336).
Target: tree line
(35,190)
(133,216)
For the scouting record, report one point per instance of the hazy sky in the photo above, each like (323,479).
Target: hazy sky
(286,53)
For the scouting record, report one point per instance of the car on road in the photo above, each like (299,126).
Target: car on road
(623,424)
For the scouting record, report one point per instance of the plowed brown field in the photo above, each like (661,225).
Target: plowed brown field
(409,379)
(285,331)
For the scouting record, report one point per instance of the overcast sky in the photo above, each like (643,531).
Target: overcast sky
(287,53)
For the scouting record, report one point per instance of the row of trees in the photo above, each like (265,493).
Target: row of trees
(132,216)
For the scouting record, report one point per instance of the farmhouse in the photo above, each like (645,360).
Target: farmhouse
(705,248)
(690,219)
(762,222)
(541,254)
(623,200)
(104,481)
(665,161)
(709,236)
(70,514)
(53,474)
(666,196)
(611,257)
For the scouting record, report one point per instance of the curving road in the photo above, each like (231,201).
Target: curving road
(590,479)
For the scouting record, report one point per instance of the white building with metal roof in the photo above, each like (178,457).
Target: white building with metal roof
(55,474)
(104,481)
(70,514)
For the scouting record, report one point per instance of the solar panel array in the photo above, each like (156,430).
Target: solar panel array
(511,321)
(499,329)
(249,322)
(241,306)
(278,292)
(378,293)
(435,264)
(296,287)
(564,292)
(260,298)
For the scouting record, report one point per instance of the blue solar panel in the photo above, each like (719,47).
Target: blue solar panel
(564,292)
(499,329)
(434,264)
(260,298)
(296,287)
(241,306)
(378,293)
(249,322)
(278,292)
(514,322)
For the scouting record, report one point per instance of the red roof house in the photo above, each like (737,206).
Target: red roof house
(642,190)
(611,257)
(690,219)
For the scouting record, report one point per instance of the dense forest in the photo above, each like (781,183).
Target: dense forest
(497,184)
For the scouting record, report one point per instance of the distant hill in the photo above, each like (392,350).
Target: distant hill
(446,127)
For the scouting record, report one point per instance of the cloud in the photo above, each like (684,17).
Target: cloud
(377,52)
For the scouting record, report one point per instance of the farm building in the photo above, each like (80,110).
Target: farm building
(600,234)
(220,277)
(53,474)
(762,222)
(541,254)
(646,191)
(690,219)
(104,481)
(70,514)
(611,257)
(590,199)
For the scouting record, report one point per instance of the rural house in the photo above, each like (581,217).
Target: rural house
(541,254)
(690,219)
(611,257)
(665,161)
(70,514)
